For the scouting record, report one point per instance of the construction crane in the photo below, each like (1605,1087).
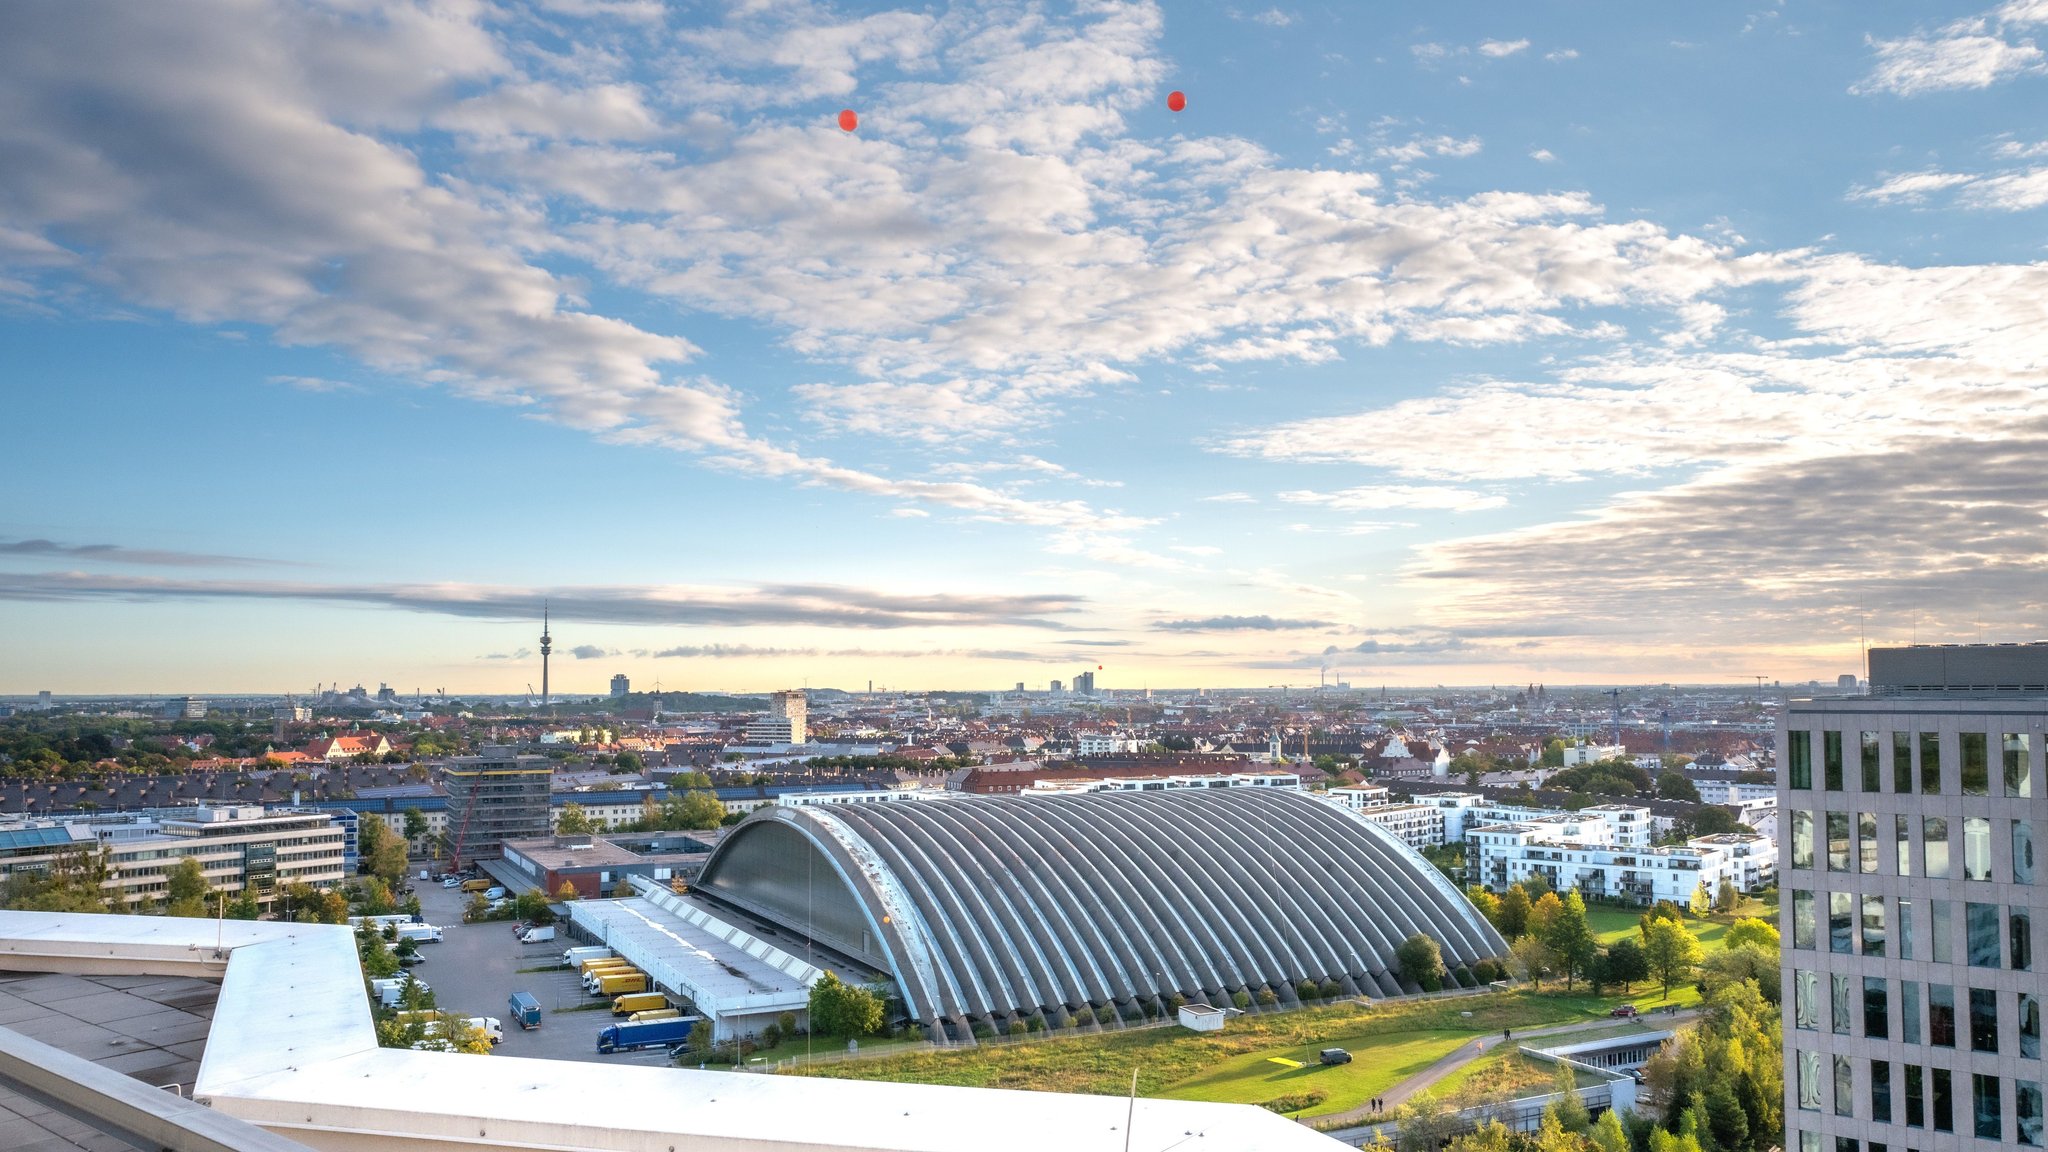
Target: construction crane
(461,835)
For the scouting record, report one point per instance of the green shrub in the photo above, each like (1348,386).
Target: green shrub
(1268,997)
(1330,989)
(1241,999)
(1017,1028)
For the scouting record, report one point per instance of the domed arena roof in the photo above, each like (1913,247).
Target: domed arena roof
(990,908)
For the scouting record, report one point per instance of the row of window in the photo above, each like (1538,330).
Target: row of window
(1851,916)
(1914,756)
(1854,843)
(1925,1097)
(1937,1028)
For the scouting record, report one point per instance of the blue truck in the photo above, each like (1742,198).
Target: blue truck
(646,1034)
(525,1009)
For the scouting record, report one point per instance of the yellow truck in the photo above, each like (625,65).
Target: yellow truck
(633,981)
(657,1014)
(480,884)
(638,1002)
(593,971)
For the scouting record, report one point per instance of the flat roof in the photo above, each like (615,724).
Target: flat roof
(722,976)
(293,1049)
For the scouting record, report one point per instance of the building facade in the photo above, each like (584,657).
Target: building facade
(492,798)
(1912,1010)
(787,721)
(239,848)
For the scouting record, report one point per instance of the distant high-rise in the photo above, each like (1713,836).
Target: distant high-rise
(621,685)
(788,713)
(1912,1008)
(1084,683)
(547,645)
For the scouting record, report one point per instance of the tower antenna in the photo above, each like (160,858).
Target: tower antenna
(547,645)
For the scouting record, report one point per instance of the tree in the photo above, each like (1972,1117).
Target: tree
(566,893)
(573,821)
(244,906)
(1608,1134)
(1674,786)
(1570,939)
(698,809)
(1735,963)
(1626,963)
(631,762)
(1514,912)
(841,1009)
(388,862)
(371,833)
(74,882)
(1542,912)
(532,907)
(1568,1111)
(1726,898)
(1531,957)
(1673,952)
(1420,961)
(1750,930)
(1487,903)
(1553,754)
(415,825)
(185,889)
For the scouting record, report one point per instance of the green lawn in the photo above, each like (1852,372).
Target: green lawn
(1378,1063)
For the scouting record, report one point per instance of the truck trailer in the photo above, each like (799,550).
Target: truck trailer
(524,1009)
(638,1002)
(634,981)
(575,957)
(419,933)
(629,1037)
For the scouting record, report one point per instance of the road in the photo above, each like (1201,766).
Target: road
(476,968)
(1429,1077)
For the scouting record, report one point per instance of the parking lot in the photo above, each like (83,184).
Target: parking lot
(475,969)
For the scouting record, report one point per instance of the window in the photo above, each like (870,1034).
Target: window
(1802,919)
(1802,839)
(1916,1097)
(1981,922)
(1809,1142)
(1976,848)
(1808,1069)
(1881,1091)
(2026,1111)
(2019,924)
(2030,1025)
(1940,1094)
(1902,762)
(1866,842)
(1930,763)
(2023,851)
(1902,840)
(1983,1020)
(1838,1005)
(1831,759)
(1873,925)
(1845,1087)
(1838,841)
(1799,762)
(1805,999)
(1905,929)
(1941,930)
(1866,743)
(1841,923)
(1934,847)
(1990,1124)
(1976,769)
(1941,1015)
(2019,767)
(1876,1008)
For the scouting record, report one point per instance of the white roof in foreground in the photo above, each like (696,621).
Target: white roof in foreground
(293,1049)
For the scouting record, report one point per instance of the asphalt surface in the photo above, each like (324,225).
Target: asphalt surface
(475,970)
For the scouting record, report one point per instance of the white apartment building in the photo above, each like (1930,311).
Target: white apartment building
(786,722)
(1577,754)
(1582,853)
(1358,797)
(1286,780)
(1912,1010)
(1418,825)
(237,847)
(1104,744)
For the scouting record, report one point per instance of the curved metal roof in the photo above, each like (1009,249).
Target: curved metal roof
(1001,904)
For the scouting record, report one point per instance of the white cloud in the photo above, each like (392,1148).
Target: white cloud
(1543,156)
(1424,146)
(1230,498)
(1378,497)
(1910,187)
(1270,17)
(1559,55)
(1975,52)
(1500,48)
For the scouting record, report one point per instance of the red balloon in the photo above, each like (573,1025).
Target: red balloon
(847,120)
(1176,100)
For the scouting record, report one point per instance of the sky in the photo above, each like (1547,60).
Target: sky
(1425,345)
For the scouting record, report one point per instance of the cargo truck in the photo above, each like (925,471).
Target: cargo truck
(525,1009)
(638,1002)
(593,968)
(537,935)
(480,884)
(489,1026)
(596,976)
(419,933)
(629,1037)
(575,957)
(389,991)
(656,1014)
(635,981)
(607,960)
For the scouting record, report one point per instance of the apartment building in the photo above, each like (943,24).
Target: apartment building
(1912,1014)
(1418,825)
(1605,853)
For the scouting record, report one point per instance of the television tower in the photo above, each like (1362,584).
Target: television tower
(547,645)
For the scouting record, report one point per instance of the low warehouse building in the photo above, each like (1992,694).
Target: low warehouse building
(991,909)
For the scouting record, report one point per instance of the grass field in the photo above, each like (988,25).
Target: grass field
(1380,1063)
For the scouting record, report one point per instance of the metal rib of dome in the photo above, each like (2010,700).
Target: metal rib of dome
(987,907)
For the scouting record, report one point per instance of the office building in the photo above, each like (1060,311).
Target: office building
(239,848)
(1084,683)
(493,798)
(1912,1010)
(621,686)
(786,722)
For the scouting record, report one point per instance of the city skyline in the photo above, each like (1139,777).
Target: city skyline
(1418,347)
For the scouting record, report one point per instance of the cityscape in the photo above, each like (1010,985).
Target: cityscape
(629,575)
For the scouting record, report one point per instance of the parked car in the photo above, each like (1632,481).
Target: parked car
(413,959)
(1334,1056)
(1624,1011)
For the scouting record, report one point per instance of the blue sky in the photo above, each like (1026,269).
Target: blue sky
(1484,345)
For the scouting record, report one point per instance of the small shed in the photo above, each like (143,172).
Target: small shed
(1202,1018)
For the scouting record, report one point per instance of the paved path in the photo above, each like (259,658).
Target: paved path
(1466,1053)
